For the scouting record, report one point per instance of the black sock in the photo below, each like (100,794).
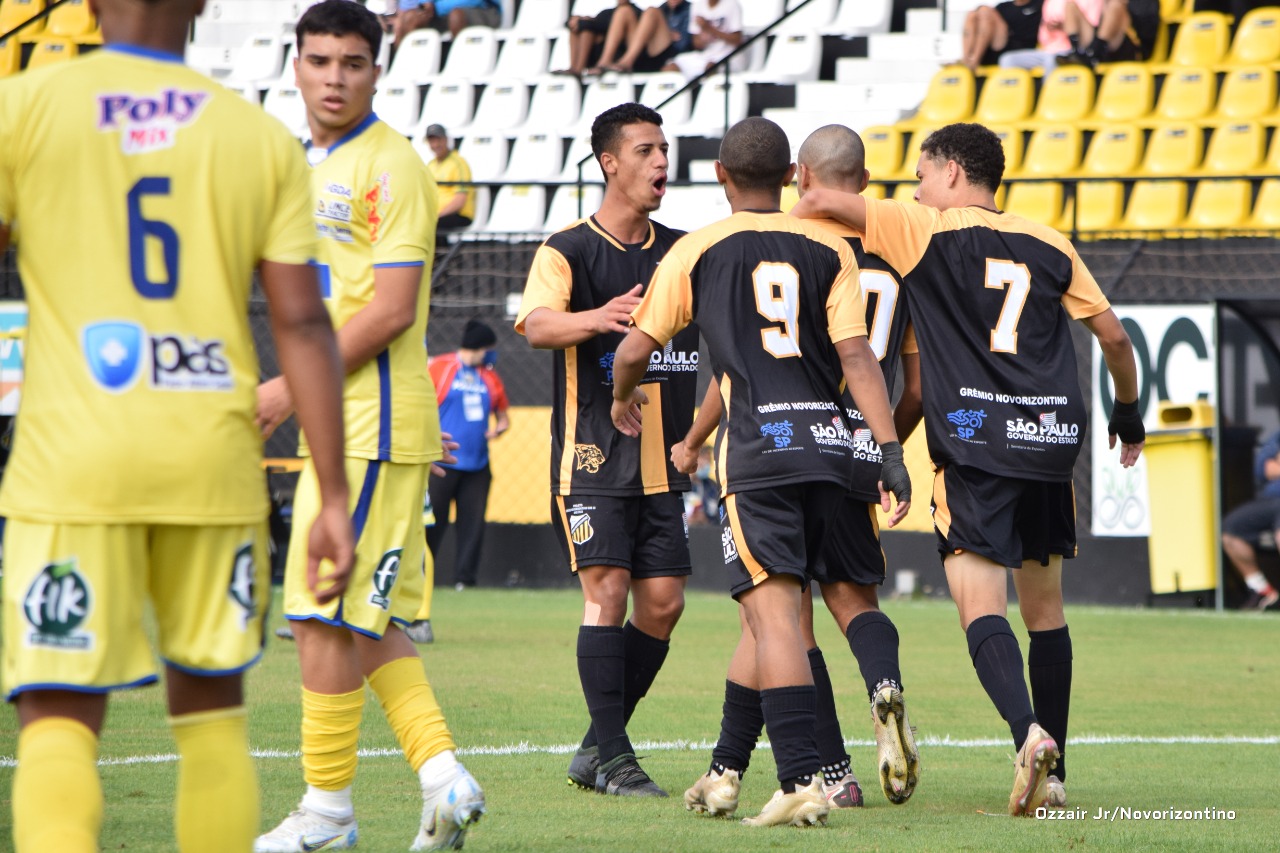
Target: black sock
(998,660)
(1049,667)
(874,642)
(1075,43)
(601,669)
(644,658)
(789,714)
(739,728)
(830,739)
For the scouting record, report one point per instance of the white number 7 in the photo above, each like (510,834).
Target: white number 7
(1016,277)
(777,288)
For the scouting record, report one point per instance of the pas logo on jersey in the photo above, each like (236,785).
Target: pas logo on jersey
(56,605)
(117,353)
(780,431)
(244,583)
(967,422)
(149,122)
(589,457)
(580,529)
(384,578)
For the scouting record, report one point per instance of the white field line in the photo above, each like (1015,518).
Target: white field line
(526,748)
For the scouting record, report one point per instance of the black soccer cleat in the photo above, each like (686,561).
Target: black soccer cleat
(583,768)
(623,777)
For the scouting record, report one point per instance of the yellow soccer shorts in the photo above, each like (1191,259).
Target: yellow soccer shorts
(386,583)
(74,602)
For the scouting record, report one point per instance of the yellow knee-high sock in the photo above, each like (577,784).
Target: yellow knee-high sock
(411,709)
(57,795)
(330,731)
(217,804)
(428,586)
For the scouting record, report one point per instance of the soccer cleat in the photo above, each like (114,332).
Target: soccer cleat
(583,768)
(448,812)
(845,794)
(1262,600)
(420,631)
(1055,793)
(714,793)
(806,807)
(897,757)
(305,830)
(1039,755)
(285,633)
(623,777)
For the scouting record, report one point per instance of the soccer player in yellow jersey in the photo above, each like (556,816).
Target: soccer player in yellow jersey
(375,211)
(136,473)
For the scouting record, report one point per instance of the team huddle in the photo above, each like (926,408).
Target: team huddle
(136,476)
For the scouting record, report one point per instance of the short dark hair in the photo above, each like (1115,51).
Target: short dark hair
(341,18)
(975,148)
(756,154)
(606,130)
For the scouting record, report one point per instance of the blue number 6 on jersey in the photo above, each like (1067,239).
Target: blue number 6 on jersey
(140,228)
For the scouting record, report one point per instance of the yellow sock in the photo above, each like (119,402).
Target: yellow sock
(411,709)
(428,586)
(217,803)
(330,731)
(57,795)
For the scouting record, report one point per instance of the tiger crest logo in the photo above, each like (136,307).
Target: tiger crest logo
(589,458)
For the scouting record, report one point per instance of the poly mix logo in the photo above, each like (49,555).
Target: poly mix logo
(243,586)
(589,457)
(967,422)
(119,352)
(580,529)
(56,605)
(149,122)
(779,431)
(384,578)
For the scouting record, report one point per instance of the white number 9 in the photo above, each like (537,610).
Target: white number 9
(777,289)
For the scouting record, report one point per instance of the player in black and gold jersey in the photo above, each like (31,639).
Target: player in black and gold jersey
(852,565)
(990,295)
(778,302)
(616,501)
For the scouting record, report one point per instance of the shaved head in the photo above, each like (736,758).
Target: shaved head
(835,156)
(756,154)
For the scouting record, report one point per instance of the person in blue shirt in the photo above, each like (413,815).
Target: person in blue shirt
(1243,526)
(648,40)
(451,15)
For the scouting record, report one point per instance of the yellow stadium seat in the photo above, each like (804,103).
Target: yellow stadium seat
(1011,141)
(72,20)
(1257,37)
(1114,151)
(949,98)
(1007,96)
(47,51)
(1188,93)
(1201,39)
(1235,149)
(1271,163)
(1127,93)
(873,191)
(905,192)
(1217,205)
(1099,205)
(1174,10)
(1174,150)
(1054,151)
(883,144)
(10,57)
(1156,206)
(15,12)
(1248,92)
(918,136)
(1266,207)
(1039,202)
(1066,95)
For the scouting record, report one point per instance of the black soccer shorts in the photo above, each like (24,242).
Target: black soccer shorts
(852,552)
(1005,519)
(766,532)
(646,534)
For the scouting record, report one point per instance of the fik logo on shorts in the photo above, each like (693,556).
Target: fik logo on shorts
(56,605)
(967,421)
(780,430)
(244,583)
(384,578)
(590,457)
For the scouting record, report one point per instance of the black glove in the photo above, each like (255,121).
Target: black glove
(893,472)
(1126,422)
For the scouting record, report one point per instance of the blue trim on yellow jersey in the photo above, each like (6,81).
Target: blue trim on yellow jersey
(399,264)
(80,688)
(337,623)
(351,134)
(213,673)
(384,405)
(361,513)
(146,52)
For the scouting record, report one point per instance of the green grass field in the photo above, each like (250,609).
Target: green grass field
(1171,710)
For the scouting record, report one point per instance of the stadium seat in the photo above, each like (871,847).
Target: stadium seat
(690,208)
(13,13)
(874,191)
(912,154)
(815,16)
(861,17)
(284,101)
(1156,206)
(1248,92)
(702,171)
(1174,149)
(949,98)
(10,57)
(708,116)
(1201,40)
(1066,95)
(417,60)
(1039,202)
(473,54)
(1114,150)
(486,154)
(1266,207)
(540,16)
(905,192)
(555,105)
(450,103)
(1011,140)
(758,14)
(399,105)
(658,88)
(503,106)
(71,20)
(1257,38)
(565,207)
(1235,149)
(1127,93)
(1188,93)
(49,50)
(794,56)
(883,145)
(536,156)
(1099,206)
(517,208)
(259,61)
(1054,151)
(523,55)
(600,95)
(579,148)
(1219,205)
(1008,95)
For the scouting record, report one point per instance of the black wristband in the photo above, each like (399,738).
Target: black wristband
(1126,422)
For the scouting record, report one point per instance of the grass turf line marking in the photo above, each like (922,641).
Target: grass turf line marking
(526,748)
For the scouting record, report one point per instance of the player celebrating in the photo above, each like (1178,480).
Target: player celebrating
(990,294)
(616,502)
(375,212)
(778,303)
(137,472)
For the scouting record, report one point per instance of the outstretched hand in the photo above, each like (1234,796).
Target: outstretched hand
(626,413)
(615,315)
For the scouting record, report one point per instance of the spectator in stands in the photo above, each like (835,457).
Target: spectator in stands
(451,15)
(1083,32)
(457,203)
(716,29)
(1244,525)
(991,30)
(587,35)
(648,40)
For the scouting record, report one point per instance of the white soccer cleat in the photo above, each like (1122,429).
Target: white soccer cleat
(1055,793)
(305,830)
(897,756)
(1039,755)
(448,812)
(714,793)
(806,807)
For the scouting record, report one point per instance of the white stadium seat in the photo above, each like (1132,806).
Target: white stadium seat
(517,208)
(417,59)
(486,154)
(555,105)
(794,55)
(815,16)
(658,88)
(523,55)
(565,207)
(536,156)
(399,105)
(861,17)
(690,208)
(606,92)
(540,16)
(259,60)
(450,103)
(708,118)
(284,101)
(473,54)
(502,107)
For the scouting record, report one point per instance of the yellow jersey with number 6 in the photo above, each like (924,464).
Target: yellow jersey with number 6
(141,196)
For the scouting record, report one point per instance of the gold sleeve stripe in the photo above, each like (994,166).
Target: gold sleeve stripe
(941,512)
(564,525)
(758,574)
(570,404)
(550,284)
(726,390)
(653,451)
